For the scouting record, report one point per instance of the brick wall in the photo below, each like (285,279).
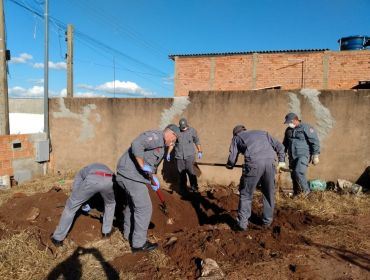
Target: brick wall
(8,153)
(290,70)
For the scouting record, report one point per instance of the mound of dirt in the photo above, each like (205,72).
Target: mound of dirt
(201,229)
(16,211)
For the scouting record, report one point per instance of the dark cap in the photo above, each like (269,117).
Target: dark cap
(238,128)
(289,117)
(183,123)
(174,128)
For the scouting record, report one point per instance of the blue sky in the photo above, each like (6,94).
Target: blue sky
(138,35)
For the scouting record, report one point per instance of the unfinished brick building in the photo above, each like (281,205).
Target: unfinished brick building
(291,69)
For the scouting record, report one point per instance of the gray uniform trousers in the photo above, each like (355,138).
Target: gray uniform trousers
(82,193)
(185,167)
(137,213)
(258,171)
(299,169)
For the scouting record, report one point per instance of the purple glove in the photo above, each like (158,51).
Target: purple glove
(156,182)
(200,155)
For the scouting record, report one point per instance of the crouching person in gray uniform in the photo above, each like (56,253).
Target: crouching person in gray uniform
(185,155)
(303,145)
(135,172)
(92,179)
(259,150)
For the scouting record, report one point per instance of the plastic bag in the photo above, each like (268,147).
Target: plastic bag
(317,185)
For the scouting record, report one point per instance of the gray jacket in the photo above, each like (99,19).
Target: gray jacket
(149,146)
(185,143)
(301,141)
(256,145)
(90,170)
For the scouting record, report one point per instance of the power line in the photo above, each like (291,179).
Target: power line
(87,38)
(112,21)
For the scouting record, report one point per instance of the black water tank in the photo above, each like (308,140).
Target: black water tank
(354,43)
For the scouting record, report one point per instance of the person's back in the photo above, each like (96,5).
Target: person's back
(256,145)
(92,179)
(259,150)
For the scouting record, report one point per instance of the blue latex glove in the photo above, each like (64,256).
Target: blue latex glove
(168,157)
(86,208)
(147,169)
(200,155)
(156,186)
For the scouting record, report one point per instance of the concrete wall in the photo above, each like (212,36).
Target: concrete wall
(20,161)
(26,105)
(290,70)
(89,130)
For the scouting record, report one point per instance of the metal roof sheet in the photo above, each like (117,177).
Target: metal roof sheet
(172,56)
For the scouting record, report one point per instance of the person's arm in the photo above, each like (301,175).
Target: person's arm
(169,151)
(233,153)
(138,147)
(278,147)
(312,140)
(196,141)
(288,131)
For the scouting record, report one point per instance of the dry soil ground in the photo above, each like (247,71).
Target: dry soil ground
(323,237)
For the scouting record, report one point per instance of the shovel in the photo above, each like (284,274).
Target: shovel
(163,206)
(198,172)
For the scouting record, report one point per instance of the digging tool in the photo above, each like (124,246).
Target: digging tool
(163,206)
(198,172)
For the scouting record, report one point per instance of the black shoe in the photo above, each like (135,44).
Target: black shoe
(194,189)
(57,243)
(107,235)
(148,246)
(238,228)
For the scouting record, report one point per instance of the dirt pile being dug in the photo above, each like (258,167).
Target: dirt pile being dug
(16,214)
(201,229)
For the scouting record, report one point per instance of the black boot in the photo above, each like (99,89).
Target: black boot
(148,246)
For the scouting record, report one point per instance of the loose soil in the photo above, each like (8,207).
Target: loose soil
(296,246)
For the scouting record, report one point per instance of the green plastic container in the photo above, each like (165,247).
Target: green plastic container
(317,185)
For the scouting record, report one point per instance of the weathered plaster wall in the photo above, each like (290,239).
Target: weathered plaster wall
(89,130)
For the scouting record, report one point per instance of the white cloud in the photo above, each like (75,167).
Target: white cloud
(35,91)
(88,94)
(52,65)
(22,58)
(63,92)
(118,87)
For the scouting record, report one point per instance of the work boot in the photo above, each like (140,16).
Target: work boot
(148,246)
(57,243)
(108,234)
(238,228)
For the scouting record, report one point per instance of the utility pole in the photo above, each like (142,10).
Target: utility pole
(46,70)
(69,60)
(114,77)
(4,102)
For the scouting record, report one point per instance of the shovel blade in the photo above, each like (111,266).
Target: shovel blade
(196,169)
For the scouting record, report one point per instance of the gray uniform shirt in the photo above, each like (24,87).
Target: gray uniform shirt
(256,145)
(149,146)
(301,141)
(185,143)
(90,169)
